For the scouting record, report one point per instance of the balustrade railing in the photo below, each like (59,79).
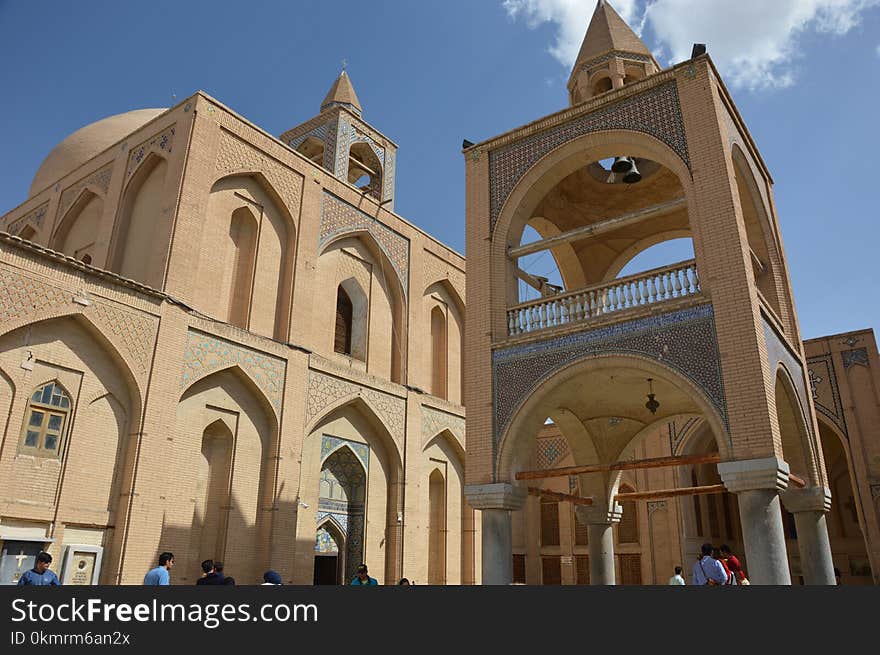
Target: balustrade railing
(648,288)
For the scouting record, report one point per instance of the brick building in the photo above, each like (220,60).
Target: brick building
(227,345)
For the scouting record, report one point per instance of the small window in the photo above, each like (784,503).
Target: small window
(45,421)
(342,338)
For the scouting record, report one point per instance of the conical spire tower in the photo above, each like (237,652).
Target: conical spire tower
(611,56)
(342,94)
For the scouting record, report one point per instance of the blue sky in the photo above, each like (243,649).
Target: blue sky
(431,73)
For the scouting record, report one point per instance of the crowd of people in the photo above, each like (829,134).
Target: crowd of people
(714,567)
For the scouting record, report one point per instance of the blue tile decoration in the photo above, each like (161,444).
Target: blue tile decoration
(342,493)
(853,357)
(325,544)
(823,386)
(205,354)
(779,353)
(655,111)
(548,452)
(330,444)
(339,218)
(614,54)
(162,143)
(684,340)
(321,132)
(33,218)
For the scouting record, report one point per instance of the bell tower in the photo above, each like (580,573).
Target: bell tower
(712,339)
(611,56)
(339,140)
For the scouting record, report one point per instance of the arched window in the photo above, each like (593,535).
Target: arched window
(439,350)
(45,421)
(342,340)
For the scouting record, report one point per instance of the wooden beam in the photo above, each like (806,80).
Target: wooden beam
(362,165)
(656,462)
(671,493)
(799,481)
(537,282)
(555,495)
(588,231)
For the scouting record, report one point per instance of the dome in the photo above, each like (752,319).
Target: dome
(87,142)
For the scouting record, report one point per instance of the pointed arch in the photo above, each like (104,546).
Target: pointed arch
(135,247)
(794,431)
(78,228)
(249,381)
(446,328)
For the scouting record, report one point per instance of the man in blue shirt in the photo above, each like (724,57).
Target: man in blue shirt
(708,568)
(40,574)
(160,574)
(362,578)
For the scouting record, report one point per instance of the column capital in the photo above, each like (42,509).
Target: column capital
(497,495)
(811,499)
(599,515)
(752,474)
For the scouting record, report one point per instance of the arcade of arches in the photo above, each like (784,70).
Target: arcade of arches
(227,345)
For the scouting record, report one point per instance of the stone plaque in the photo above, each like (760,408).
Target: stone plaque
(82,565)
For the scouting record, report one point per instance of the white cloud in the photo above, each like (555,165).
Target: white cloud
(753,42)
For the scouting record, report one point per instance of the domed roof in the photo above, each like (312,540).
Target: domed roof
(85,143)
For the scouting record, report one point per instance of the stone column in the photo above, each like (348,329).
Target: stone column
(496,501)
(599,522)
(809,507)
(756,482)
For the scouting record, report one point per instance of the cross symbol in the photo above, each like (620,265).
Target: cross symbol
(20,558)
(814,380)
(344,63)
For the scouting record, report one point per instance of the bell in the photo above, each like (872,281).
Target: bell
(632,175)
(622,164)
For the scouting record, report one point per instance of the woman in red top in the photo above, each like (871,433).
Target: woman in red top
(731,563)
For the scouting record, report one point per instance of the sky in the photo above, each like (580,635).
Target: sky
(805,75)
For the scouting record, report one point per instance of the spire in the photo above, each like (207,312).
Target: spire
(342,93)
(608,31)
(611,56)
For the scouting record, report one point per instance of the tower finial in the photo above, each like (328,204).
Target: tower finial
(342,93)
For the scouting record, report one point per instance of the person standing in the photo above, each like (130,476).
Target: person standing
(161,576)
(677,579)
(708,570)
(40,575)
(271,577)
(213,573)
(733,564)
(362,578)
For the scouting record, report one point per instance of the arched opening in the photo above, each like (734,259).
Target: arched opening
(342,495)
(243,233)
(360,267)
(136,250)
(46,421)
(761,242)
(78,229)
(342,338)
(365,169)
(313,149)
(245,272)
(436,528)
(845,531)
(330,553)
(213,477)
(439,351)
(602,85)
(655,256)
(226,432)
(792,426)
(28,233)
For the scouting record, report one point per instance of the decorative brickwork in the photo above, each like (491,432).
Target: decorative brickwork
(655,112)
(614,54)
(550,451)
(677,433)
(341,146)
(161,143)
(683,340)
(206,354)
(324,390)
(436,269)
(434,421)
(100,180)
(823,385)
(238,156)
(34,218)
(330,445)
(22,296)
(136,332)
(338,218)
